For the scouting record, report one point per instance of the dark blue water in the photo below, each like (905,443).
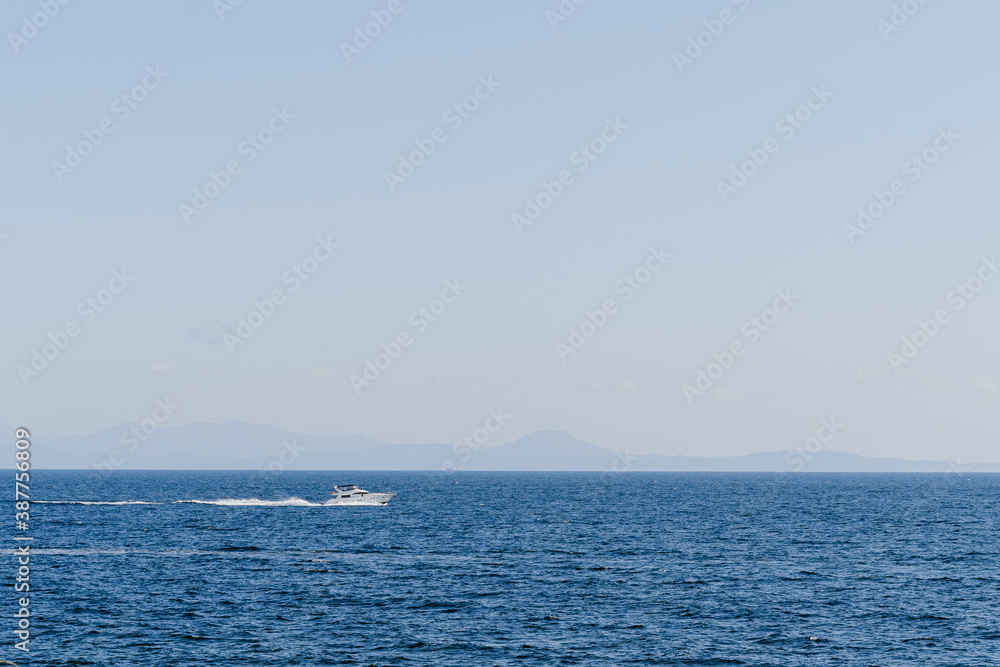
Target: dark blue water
(515,569)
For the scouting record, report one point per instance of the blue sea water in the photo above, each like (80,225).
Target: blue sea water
(512,569)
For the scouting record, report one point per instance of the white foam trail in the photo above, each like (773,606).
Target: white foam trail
(254,502)
(224,502)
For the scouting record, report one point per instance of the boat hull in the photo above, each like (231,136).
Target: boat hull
(367,499)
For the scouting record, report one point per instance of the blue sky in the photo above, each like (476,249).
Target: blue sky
(344,125)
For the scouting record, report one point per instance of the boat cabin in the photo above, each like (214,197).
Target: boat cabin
(348,490)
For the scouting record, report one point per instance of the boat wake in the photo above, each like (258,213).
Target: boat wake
(225,502)
(254,502)
(95,502)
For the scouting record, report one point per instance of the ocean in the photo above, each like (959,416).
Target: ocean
(470,568)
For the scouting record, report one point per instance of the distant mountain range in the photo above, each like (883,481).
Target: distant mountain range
(242,446)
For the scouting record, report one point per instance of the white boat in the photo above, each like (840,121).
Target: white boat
(350,494)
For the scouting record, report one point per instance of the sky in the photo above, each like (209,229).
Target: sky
(677,173)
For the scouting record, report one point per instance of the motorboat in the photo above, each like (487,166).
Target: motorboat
(350,494)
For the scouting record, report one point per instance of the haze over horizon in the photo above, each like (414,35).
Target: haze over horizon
(442,273)
(237,445)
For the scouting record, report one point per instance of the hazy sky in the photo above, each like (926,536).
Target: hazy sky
(641,139)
